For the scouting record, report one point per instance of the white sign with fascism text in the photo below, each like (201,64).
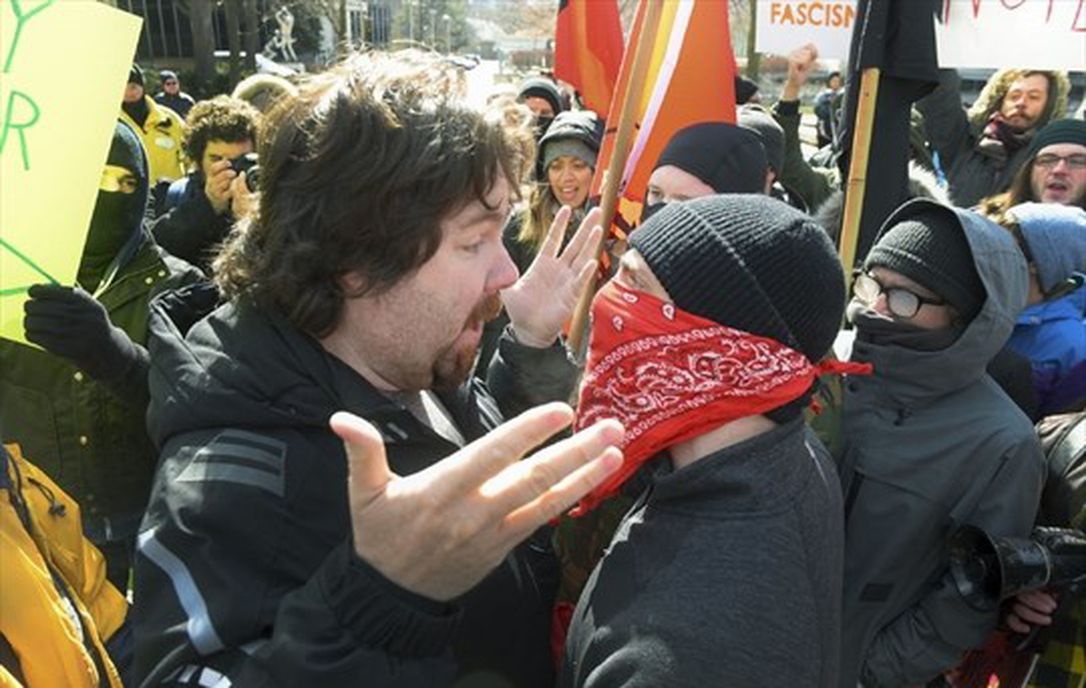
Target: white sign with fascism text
(784,25)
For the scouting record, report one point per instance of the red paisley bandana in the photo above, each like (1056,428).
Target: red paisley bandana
(669,376)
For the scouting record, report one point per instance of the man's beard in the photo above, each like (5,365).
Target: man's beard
(453,366)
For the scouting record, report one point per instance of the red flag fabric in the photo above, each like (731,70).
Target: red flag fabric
(588,49)
(691,80)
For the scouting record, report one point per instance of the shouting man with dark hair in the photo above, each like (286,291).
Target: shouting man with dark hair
(272,553)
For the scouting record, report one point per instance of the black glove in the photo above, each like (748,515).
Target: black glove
(70,323)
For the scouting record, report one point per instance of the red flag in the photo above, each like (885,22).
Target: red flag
(588,49)
(691,79)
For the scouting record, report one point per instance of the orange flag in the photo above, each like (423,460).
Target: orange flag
(691,80)
(588,49)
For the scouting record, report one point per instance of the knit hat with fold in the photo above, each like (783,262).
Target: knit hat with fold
(925,242)
(752,263)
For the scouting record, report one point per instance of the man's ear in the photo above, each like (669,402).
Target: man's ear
(352,284)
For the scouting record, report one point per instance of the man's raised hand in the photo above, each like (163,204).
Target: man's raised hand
(440,531)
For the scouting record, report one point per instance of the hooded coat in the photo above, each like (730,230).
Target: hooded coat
(954,133)
(931,443)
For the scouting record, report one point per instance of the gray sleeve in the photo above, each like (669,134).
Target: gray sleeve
(933,635)
(521,377)
(927,639)
(945,122)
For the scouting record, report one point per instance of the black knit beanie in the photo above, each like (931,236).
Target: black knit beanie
(752,263)
(925,242)
(730,159)
(135,75)
(1059,131)
(542,88)
(744,90)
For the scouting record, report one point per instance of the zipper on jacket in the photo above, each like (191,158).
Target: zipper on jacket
(55,508)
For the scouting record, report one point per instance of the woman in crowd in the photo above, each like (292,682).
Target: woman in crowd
(564,166)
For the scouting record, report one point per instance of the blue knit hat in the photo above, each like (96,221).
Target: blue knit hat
(1055,237)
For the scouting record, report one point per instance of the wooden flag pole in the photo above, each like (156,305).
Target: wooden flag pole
(619,152)
(857,170)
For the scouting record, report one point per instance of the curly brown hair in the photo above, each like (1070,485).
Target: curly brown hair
(358,172)
(221,118)
(995,89)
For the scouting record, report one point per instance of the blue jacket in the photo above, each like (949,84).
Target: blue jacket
(1052,336)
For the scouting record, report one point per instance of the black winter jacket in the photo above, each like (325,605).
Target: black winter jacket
(90,436)
(244,564)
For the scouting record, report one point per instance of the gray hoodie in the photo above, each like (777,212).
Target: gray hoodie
(931,443)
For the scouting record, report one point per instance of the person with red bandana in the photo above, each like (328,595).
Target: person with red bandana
(706,346)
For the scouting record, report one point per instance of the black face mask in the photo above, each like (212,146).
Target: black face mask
(880,330)
(648,211)
(111,225)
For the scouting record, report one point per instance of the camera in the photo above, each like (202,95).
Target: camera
(988,569)
(248,163)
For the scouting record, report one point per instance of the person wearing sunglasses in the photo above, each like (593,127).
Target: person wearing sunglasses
(171,94)
(1051,331)
(929,439)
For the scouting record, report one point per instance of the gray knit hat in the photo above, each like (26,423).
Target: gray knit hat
(756,118)
(1055,237)
(552,150)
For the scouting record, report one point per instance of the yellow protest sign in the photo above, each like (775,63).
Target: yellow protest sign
(54,135)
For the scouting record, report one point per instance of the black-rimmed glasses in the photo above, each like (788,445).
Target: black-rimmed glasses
(899,300)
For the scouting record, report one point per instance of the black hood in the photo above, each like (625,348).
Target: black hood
(116,226)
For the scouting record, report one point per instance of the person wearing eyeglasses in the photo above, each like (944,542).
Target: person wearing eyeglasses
(929,440)
(1054,172)
(983,148)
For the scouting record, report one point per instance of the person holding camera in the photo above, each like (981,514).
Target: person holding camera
(201,207)
(930,441)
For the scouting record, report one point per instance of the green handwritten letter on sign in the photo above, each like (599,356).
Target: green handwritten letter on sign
(54,135)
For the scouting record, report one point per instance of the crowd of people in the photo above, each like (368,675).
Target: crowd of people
(309,414)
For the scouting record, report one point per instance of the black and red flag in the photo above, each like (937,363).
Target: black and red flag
(588,49)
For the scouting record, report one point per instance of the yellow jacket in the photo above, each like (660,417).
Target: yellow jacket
(161,137)
(41,532)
